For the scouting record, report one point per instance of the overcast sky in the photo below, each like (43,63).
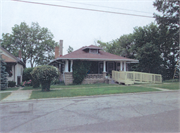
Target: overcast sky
(78,28)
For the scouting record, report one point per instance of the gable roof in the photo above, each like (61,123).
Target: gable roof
(104,56)
(10,57)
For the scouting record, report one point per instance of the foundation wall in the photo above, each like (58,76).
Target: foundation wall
(90,79)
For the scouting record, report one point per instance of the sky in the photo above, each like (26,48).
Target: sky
(78,28)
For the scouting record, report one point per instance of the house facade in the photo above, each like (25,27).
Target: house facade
(14,66)
(102,63)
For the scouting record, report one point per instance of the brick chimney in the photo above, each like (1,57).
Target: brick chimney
(56,52)
(20,54)
(61,48)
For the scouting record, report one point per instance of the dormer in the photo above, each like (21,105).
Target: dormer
(92,49)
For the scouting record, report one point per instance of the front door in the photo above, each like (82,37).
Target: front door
(18,80)
(110,68)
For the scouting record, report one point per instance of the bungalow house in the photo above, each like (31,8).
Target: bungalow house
(14,66)
(102,63)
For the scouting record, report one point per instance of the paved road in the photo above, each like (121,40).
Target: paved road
(140,112)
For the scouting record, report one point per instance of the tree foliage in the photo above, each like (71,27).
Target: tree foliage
(36,43)
(155,46)
(4,74)
(142,44)
(168,22)
(70,49)
(80,69)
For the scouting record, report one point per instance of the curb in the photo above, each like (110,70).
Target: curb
(92,96)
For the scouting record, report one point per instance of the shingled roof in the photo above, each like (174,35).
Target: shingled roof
(104,56)
(11,58)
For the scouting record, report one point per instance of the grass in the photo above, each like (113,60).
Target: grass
(89,91)
(11,89)
(71,86)
(164,85)
(4,95)
(168,85)
(30,88)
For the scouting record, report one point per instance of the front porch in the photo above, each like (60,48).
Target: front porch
(96,74)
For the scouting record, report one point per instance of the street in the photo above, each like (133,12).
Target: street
(138,112)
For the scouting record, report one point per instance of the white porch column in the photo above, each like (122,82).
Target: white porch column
(124,65)
(104,68)
(71,65)
(66,66)
(121,66)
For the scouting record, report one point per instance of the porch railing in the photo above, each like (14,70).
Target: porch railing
(94,76)
(136,77)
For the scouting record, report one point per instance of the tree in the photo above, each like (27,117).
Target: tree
(36,43)
(70,49)
(4,74)
(142,44)
(168,23)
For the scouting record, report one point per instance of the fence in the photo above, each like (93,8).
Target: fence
(131,77)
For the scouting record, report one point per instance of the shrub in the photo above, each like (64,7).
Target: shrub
(27,76)
(4,74)
(11,83)
(80,69)
(45,74)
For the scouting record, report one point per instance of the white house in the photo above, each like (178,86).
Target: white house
(14,66)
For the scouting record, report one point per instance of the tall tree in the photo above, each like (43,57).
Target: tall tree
(70,49)
(142,44)
(36,43)
(168,22)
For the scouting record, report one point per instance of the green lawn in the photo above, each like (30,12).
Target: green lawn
(72,86)
(11,89)
(164,85)
(168,85)
(3,95)
(30,88)
(80,91)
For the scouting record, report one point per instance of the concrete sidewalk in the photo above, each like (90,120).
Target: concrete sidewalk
(18,95)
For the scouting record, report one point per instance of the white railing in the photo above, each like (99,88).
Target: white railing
(136,77)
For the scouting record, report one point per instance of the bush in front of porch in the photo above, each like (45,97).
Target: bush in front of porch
(80,69)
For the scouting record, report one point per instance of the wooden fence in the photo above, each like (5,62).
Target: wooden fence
(131,77)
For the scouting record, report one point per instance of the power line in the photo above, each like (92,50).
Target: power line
(84,9)
(105,6)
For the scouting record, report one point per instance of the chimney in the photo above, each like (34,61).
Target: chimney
(61,48)
(20,54)
(56,52)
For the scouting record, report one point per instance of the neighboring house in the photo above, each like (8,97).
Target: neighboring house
(14,66)
(102,63)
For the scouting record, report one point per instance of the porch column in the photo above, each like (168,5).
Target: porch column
(66,66)
(104,70)
(121,66)
(71,65)
(124,65)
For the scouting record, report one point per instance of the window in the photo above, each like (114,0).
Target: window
(9,70)
(93,51)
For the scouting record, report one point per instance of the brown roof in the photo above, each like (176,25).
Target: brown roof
(13,59)
(82,55)
(7,59)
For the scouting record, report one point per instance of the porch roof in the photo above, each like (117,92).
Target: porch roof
(80,54)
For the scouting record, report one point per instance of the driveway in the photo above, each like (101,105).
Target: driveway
(140,112)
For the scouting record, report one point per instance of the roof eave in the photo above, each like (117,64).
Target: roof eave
(100,59)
